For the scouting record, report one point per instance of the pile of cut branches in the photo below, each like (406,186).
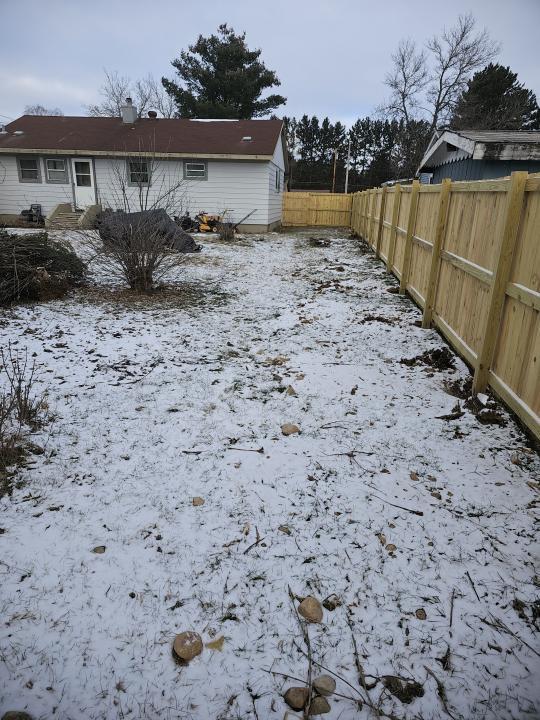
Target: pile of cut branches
(34,267)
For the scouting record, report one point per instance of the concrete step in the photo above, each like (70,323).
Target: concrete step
(64,220)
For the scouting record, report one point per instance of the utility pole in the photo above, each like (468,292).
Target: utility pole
(347,169)
(334,175)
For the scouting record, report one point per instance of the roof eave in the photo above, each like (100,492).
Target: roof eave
(138,153)
(447,136)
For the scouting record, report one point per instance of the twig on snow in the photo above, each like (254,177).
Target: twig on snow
(499,625)
(441,692)
(305,634)
(257,541)
(472,585)
(400,507)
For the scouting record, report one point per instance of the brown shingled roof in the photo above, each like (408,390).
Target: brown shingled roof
(111,135)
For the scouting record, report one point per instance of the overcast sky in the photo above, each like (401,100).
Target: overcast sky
(331,57)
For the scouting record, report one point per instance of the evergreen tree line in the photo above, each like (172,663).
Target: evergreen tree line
(379,150)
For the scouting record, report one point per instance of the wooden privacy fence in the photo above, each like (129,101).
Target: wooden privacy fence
(323,209)
(468,253)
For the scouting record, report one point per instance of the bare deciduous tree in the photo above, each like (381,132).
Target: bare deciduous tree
(41,110)
(147,95)
(456,54)
(430,84)
(408,78)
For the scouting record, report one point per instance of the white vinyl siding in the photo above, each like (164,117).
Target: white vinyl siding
(16,196)
(235,186)
(275,193)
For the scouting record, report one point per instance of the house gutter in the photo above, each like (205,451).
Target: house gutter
(137,153)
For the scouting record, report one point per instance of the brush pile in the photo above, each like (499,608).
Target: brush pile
(34,267)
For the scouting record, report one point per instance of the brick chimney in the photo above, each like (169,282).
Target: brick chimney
(129,112)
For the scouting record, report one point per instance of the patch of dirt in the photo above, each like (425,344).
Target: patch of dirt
(319,242)
(439,359)
(460,387)
(404,690)
(377,318)
(179,295)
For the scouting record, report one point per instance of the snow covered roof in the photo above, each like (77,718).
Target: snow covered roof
(160,136)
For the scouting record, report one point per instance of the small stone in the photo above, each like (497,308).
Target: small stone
(311,609)
(296,697)
(99,549)
(324,685)
(187,645)
(197,501)
(16,715)
(289,429)
(319,706)
(421,614)
(391,548)
(290,390)
(332,602)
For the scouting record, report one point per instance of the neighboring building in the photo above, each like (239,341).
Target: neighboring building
(81,162)
(480,154)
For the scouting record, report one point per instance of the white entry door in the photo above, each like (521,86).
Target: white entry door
(83,181)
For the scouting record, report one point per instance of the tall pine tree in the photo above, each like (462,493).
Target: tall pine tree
(220,77)
(495,100)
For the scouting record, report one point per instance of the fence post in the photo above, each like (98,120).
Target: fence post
(368,215)
(393,228)
(381,221)
(363,225)
(408,240)
(372,223)
(501,275)
(438,242)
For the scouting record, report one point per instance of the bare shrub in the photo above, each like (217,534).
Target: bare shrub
(138,242)
(20,373)
(142,247)
(21,409)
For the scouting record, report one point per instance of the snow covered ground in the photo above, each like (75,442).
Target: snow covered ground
(158,401)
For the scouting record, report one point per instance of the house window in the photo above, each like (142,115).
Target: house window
(29,171)
(138,172)
(195,171)
(278,181)
(56,170)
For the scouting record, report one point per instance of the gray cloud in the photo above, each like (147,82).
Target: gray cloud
(330,56)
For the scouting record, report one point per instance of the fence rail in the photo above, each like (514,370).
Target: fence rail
(468,253)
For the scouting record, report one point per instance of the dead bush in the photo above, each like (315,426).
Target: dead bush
(21,409)
(140,247)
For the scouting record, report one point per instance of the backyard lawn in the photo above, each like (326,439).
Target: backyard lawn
(167,497)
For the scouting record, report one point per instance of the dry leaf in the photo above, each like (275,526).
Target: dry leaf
(216,644)
(391,548)
(414,476)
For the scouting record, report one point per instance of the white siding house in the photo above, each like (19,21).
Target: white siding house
(237,167)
